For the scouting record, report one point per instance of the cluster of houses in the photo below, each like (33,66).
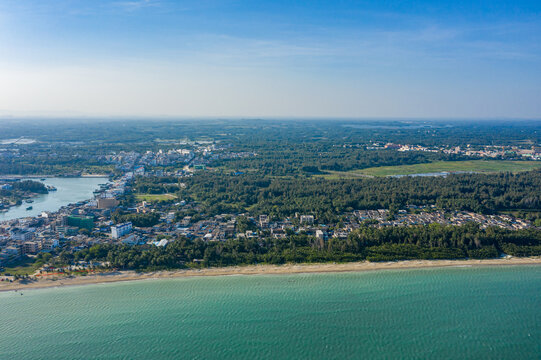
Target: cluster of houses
(383,217)
(9,153)
(127,160)
(486,151)
(86,223)
(199,155)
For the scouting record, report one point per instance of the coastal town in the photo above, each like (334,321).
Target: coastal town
(81,225)
(159,190)
(270,180)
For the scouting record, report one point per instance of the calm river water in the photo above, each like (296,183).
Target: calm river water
(69,191)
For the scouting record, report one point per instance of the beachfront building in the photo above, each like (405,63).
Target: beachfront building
(31,247)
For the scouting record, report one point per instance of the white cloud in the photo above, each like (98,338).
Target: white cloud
(136,4)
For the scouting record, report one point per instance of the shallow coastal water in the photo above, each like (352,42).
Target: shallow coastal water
(459,313)
(69,191)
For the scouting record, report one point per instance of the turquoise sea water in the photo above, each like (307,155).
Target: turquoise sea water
(452,313)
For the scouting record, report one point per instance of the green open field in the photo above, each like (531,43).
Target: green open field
(480,166)
(25,266)
(155,197)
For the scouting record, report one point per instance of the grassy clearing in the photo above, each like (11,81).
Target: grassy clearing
(26,266)
(335,175)
(480,166)
(155,197)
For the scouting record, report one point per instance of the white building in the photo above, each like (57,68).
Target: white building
(120,230)
(49,244)
(170,217)
(21,235)
(263,220)
(307,219)
(321,235)
(161,243)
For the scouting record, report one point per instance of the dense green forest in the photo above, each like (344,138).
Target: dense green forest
(140,220)
(328,199)
(30,186)
(312,159)
(386,244)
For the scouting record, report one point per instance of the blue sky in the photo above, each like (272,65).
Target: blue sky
(444,59)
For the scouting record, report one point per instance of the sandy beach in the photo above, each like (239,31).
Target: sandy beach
(106,277)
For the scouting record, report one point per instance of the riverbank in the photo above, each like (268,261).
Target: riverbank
(19,193)
(260,270)
(48,176)
(18,200)
(69,191)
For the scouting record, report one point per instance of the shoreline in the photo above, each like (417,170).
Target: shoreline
(35,195)
(28,196)
(49,176)
(304,268)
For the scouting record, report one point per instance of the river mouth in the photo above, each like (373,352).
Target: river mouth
(69,191)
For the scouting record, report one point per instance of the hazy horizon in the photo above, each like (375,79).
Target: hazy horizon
(239,59)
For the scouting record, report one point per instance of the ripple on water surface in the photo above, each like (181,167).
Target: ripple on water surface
(425,313)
